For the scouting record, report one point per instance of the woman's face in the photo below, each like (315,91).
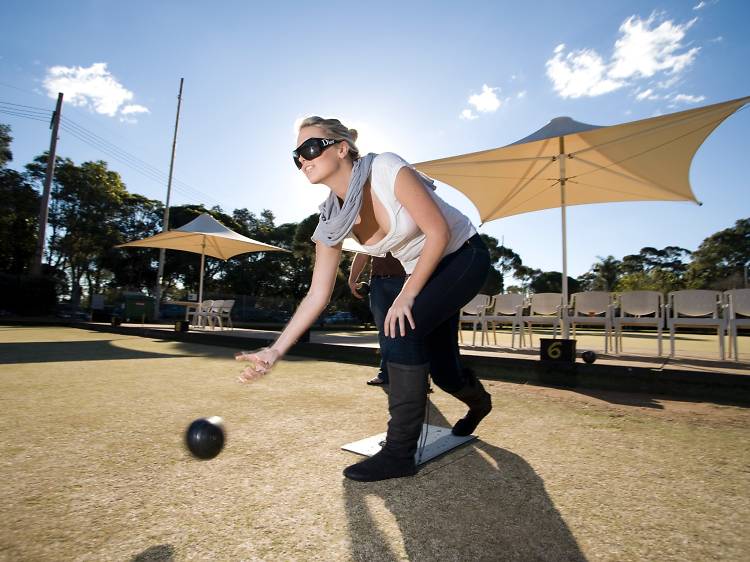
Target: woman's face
(327,163)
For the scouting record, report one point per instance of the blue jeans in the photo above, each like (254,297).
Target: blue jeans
(383,291)
(456,280)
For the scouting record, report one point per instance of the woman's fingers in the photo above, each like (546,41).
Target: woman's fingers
(395,322)
(410,318)
(251,373)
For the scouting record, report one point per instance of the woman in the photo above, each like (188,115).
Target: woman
(381,204)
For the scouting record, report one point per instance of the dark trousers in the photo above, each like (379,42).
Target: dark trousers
(383,291)
(456,280)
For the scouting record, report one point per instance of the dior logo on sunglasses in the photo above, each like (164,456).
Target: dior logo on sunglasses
(311,149)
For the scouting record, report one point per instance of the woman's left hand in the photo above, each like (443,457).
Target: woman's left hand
(398,314)
(261,363)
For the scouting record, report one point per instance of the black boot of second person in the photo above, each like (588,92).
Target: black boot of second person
(407,399)
(477,399)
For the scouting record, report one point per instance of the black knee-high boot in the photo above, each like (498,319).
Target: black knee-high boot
(406,403)
(477,399)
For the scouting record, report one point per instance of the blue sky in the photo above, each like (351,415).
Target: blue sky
(423,79)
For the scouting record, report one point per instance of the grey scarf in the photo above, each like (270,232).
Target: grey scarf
(336,221)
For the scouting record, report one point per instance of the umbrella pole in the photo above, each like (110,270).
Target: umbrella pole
(203,264)
(561,160)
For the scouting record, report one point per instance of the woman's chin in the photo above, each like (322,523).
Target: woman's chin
(314,179)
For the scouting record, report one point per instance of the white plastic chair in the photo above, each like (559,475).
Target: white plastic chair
(196,315)
(738,307)
(592,308)
(506,309)
(639,308)
(210,313)
(696,307)
(225,313)
(474,312)
(544,309)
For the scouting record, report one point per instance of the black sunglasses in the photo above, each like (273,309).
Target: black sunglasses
(311,149)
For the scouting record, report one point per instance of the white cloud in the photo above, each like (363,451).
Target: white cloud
(134,108)
(93,87)
(645,49)
(669,82)
(646,95)
(579,73)
(687,98)
(522,94)
(487,101)
(127,113)
(705,4)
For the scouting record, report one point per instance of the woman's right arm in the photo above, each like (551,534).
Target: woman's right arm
(318,297)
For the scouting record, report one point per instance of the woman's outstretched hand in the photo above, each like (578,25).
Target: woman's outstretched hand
(261,363)
(398,315)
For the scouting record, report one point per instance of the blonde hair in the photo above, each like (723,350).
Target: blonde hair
(334,129)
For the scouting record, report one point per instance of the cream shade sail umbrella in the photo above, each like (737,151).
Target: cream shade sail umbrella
(571,163)
(206,236)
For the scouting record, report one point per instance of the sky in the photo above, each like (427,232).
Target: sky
(426,80)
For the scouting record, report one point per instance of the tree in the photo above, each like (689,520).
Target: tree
(720,260)
(551,282)
(5,139)
(503,260)
(262,274)
(671,258)
(654,270)
(526,276)
(133,268)
(656,279)
(19,217)
(603,274)
(84,214)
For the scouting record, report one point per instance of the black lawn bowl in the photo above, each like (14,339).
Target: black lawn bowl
(363,289)
(588,356)
(205,437)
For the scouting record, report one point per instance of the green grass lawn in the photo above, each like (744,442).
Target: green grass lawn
(93,466)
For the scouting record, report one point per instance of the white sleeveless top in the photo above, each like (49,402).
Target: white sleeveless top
(405,240)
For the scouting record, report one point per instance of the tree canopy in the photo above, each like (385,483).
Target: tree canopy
(91,212)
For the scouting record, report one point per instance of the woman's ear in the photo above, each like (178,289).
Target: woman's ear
(343,149)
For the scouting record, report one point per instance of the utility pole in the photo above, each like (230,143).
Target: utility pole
(162,251)
(36,265)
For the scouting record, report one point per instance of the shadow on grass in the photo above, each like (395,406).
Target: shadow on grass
(479,502)
(46,352)
(159,553)
(637,400)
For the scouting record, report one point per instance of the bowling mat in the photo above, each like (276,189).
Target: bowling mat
(439,441)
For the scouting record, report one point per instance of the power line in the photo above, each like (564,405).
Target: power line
(27,107)
(124,159)
(31,116)
(101,144)
(135,161)
(128,159)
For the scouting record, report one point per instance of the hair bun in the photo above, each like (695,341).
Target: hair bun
(354,134)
